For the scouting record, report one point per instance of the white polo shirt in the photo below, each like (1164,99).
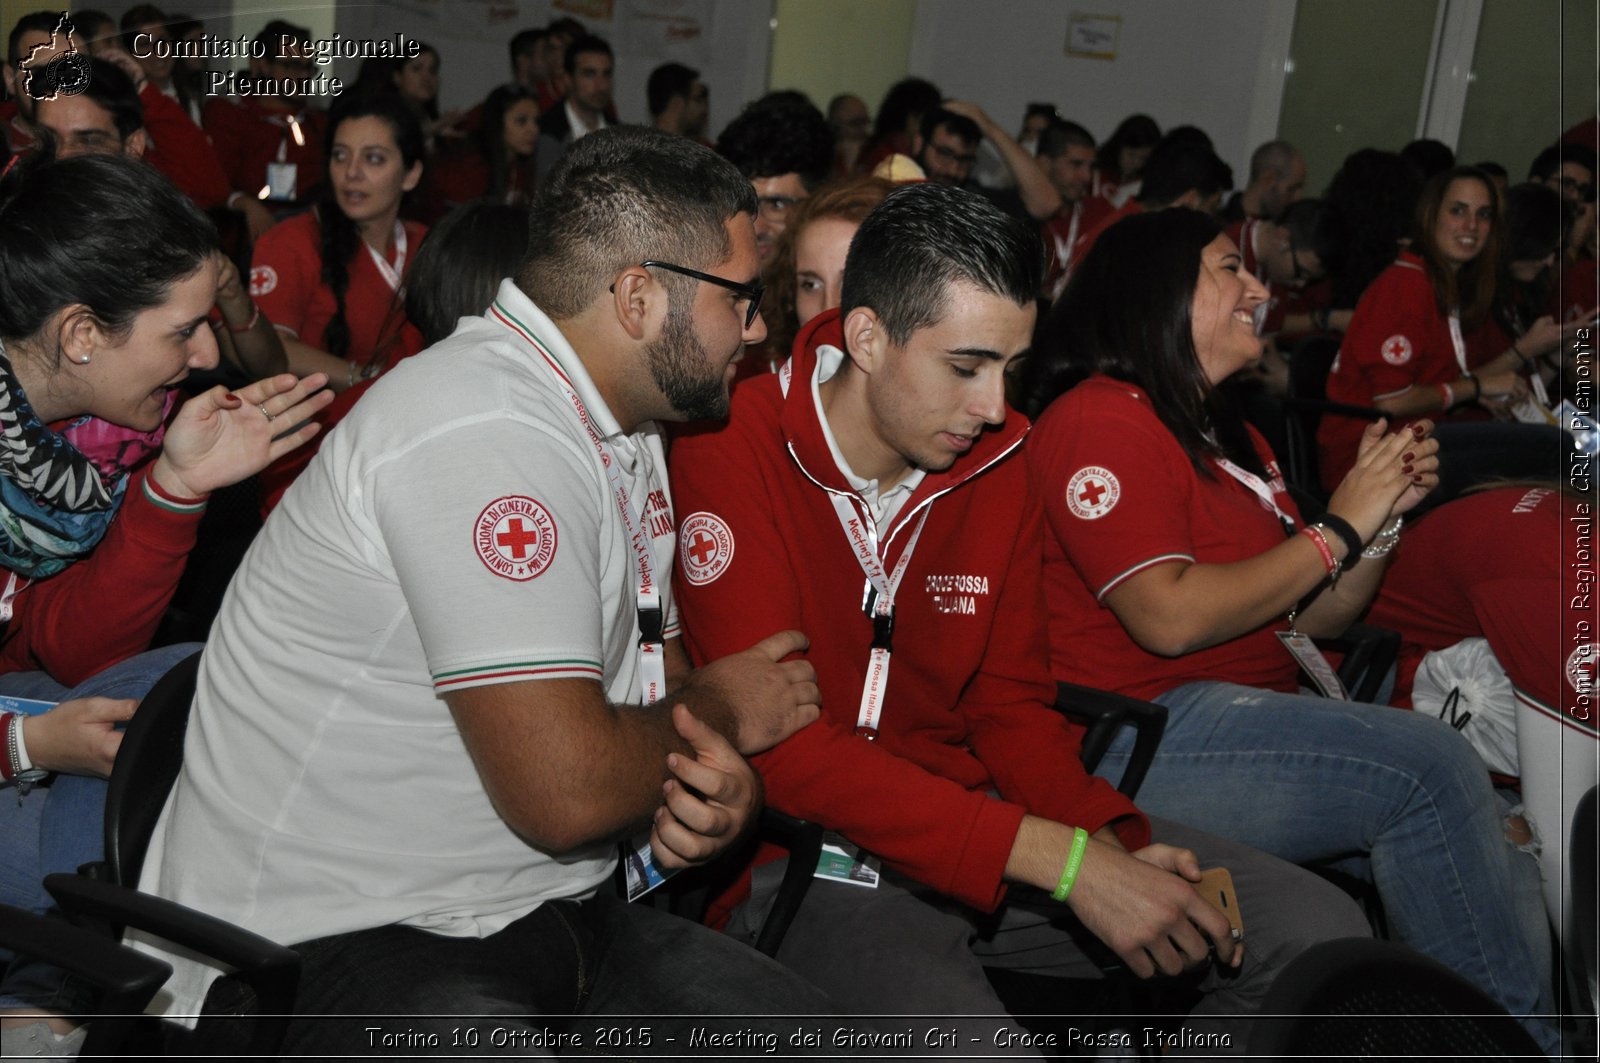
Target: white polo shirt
(456,530)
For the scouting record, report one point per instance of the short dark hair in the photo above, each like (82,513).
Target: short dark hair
(32,22)
(586,45)
(779,134)
(925,237)
(274,33)
(1428,157)
(112,90)
(137,16)
(1127,313)
(1547,164)
(69,237)
(1273,156)
(524,42)
(1060,135)
(1536,221)
(94,25)
(461,263)
(1177,166)
(960,126)
(667,81)
(1311,228)
(622,195)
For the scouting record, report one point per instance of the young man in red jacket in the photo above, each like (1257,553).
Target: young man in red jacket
(871,494)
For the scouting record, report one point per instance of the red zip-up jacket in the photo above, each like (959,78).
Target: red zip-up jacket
(969,703)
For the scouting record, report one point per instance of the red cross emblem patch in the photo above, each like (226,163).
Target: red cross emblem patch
(515,537)
(1092,492)
(705,547)
(1396,350)
(262,280)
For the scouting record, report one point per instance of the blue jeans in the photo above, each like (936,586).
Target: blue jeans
(1313,780)
(623,978)
(60,825)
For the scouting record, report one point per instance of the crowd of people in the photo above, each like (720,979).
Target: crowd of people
(619,463)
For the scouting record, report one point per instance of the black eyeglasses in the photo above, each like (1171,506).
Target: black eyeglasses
(752,292)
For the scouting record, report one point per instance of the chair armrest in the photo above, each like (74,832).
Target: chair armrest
(271,970)
(803,839)
(1106,714)
(127,980)
(1369,652)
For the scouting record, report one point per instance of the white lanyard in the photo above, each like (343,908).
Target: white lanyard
(1064,252)
(647,598)
(13,586)
(391,274)
(1458,343)
(1258,488)
(862,533)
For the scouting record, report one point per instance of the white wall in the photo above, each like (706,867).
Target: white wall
(472,37)
(1181,62)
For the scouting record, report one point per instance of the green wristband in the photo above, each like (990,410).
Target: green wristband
(1069,874)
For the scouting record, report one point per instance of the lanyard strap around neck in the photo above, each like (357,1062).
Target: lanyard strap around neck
(1458,343)
(647,591)
(862,533)
(393,275)
(1259,488)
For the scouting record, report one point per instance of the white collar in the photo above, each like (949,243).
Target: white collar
(576,124)
(886,505)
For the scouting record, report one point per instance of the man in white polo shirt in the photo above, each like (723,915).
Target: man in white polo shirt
(442,686)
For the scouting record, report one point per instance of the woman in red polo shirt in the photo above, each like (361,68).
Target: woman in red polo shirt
(333,279)
(1406,352)
(1180,571)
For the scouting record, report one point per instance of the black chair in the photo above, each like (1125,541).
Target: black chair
(103,898)
(1307,402)
(1359,998)
(1582,930)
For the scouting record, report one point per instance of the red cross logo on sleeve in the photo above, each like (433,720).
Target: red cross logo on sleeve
(515,537)
(705,547)
(1396,350)
(1092,492)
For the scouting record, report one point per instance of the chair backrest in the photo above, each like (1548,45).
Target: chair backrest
(1309,364)
(147,764)
(1360,998)
(1581,915)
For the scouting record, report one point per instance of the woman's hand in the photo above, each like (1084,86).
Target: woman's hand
(79,737)
(221,437)
(232,299)
(1542,337)
(712,798)
(1391,475)
(1501,388)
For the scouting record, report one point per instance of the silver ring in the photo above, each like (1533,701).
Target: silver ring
(263,408)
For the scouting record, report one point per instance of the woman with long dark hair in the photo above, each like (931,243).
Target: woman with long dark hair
(1406,353)
(100,493)
(497,164)
(333,279)
(1179,570)
(1119,164)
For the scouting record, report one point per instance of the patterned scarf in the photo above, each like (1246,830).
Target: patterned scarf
(59,491)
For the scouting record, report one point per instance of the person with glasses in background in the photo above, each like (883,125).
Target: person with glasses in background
(947,150)
(1285,254)
(783,145)
(1570,169)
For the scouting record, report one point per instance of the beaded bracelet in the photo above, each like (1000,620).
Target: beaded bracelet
(1346,533)
(1319,539)
(1385,541)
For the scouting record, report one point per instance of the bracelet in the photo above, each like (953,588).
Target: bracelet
(9,766)
(1320,541)
(1346,533)
(1448,397)
(1385,541)
(255,315)
(1526,363)
(1069,874)
(1477,388)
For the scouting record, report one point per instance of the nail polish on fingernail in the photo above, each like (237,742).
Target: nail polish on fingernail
(1406,468)
(1416,430)
(1408,456)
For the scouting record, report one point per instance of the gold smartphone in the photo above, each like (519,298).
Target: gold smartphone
(1216,886)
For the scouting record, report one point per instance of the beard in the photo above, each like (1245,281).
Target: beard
(683,371)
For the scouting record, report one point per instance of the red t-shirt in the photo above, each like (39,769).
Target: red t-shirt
(1397,339)
(249,135)
(181,150)
(286,282)
(1579,293)
(1100,215)
(1511,565)
(1121,496)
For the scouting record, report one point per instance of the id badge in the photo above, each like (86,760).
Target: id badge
(641,871)
(281,180)
(1314,664)
(841,861)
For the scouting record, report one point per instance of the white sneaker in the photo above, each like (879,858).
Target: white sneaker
(38,1039)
